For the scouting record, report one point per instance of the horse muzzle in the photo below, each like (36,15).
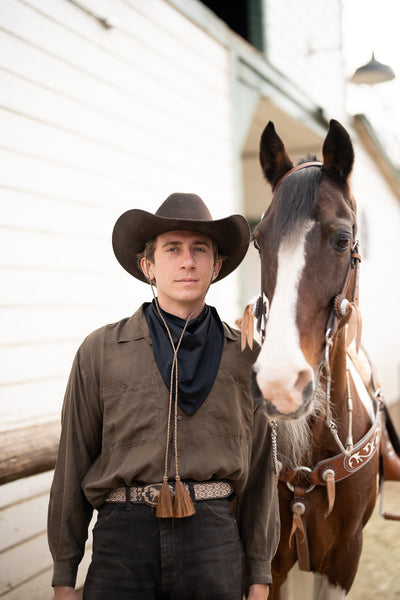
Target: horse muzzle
(280,403)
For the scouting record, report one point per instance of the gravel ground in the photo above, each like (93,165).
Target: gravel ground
(378,576)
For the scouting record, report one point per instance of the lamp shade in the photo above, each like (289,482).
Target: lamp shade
(373,72)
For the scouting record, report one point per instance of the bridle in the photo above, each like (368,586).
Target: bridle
(342,307)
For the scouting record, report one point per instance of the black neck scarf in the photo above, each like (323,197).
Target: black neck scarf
(199,354)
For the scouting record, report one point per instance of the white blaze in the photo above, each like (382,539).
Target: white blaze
(281,360)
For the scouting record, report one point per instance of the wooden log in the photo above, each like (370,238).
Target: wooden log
(28,451)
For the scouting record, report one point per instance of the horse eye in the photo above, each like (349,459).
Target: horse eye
(342,242)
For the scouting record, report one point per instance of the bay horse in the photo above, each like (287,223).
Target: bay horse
(326,426)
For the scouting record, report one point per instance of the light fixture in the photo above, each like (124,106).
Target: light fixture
(373,72)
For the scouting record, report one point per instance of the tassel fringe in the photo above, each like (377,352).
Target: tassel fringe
(165,508)
(183,505)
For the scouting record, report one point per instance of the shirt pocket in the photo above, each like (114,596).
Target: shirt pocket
(132,413)
(229,407)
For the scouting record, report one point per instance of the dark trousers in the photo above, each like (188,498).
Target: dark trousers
(137,556)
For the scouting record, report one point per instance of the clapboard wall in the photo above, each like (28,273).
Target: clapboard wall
(94,120)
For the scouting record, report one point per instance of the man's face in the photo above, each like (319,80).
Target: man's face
(183,268)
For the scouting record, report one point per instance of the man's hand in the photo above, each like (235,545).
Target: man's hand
(258,591)
(62,592)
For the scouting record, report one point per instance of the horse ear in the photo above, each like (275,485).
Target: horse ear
(338,152)
(274,159)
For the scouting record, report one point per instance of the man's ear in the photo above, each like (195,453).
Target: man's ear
(145,265)
(217,268)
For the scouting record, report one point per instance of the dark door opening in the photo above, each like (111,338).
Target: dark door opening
(243,16)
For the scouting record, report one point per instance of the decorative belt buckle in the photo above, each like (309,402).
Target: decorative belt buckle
(151,492)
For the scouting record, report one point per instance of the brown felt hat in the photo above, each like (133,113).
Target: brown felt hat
(179,211)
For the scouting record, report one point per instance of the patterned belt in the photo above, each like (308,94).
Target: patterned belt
(148,494)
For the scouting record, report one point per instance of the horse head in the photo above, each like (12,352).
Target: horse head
(305,240)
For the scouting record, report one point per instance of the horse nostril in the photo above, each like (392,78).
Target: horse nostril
(304,378)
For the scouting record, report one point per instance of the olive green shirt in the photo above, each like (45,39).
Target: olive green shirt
(114,424)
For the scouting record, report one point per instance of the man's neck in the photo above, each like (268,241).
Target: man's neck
(183,311)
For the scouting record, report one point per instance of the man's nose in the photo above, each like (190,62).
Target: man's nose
(187,259)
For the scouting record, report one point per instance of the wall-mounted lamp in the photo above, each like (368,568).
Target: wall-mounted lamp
(373,72)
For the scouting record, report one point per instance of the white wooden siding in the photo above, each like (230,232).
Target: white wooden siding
(379,211)
(93,122)
(25,570)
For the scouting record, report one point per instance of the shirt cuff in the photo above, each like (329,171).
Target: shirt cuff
(64,573)
(259,572)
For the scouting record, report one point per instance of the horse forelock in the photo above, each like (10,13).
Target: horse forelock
(295,200)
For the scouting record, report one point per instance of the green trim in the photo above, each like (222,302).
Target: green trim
(255,24)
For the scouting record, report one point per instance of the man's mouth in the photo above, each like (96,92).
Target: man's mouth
(187,280)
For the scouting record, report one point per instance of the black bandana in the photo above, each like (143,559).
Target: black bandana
(199,354)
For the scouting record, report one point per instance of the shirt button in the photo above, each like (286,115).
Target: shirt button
(179,417)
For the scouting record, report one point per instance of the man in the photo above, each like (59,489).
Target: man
(160,433)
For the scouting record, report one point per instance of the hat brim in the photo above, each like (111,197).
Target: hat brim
(136,227)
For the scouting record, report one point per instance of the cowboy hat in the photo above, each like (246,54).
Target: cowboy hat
(179,211)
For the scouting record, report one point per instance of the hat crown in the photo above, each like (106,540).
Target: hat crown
(184,206)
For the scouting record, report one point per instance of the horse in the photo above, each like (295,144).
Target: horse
(326,428)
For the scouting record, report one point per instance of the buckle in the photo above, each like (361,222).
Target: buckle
(150,493)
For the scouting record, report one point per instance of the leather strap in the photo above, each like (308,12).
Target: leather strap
(299,509)
(344,466)
(313,163)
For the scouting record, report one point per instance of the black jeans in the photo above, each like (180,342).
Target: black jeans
(137,556)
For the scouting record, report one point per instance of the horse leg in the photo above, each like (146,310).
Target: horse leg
(339,575)
(323,589)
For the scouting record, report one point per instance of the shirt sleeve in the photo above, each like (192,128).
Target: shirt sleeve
(258,507)
(80,443)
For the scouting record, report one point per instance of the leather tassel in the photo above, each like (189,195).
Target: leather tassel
(183,505)
(165,508)
(247,327)
(330,490)
(297,521)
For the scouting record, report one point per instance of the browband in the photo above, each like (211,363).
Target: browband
(314,163)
